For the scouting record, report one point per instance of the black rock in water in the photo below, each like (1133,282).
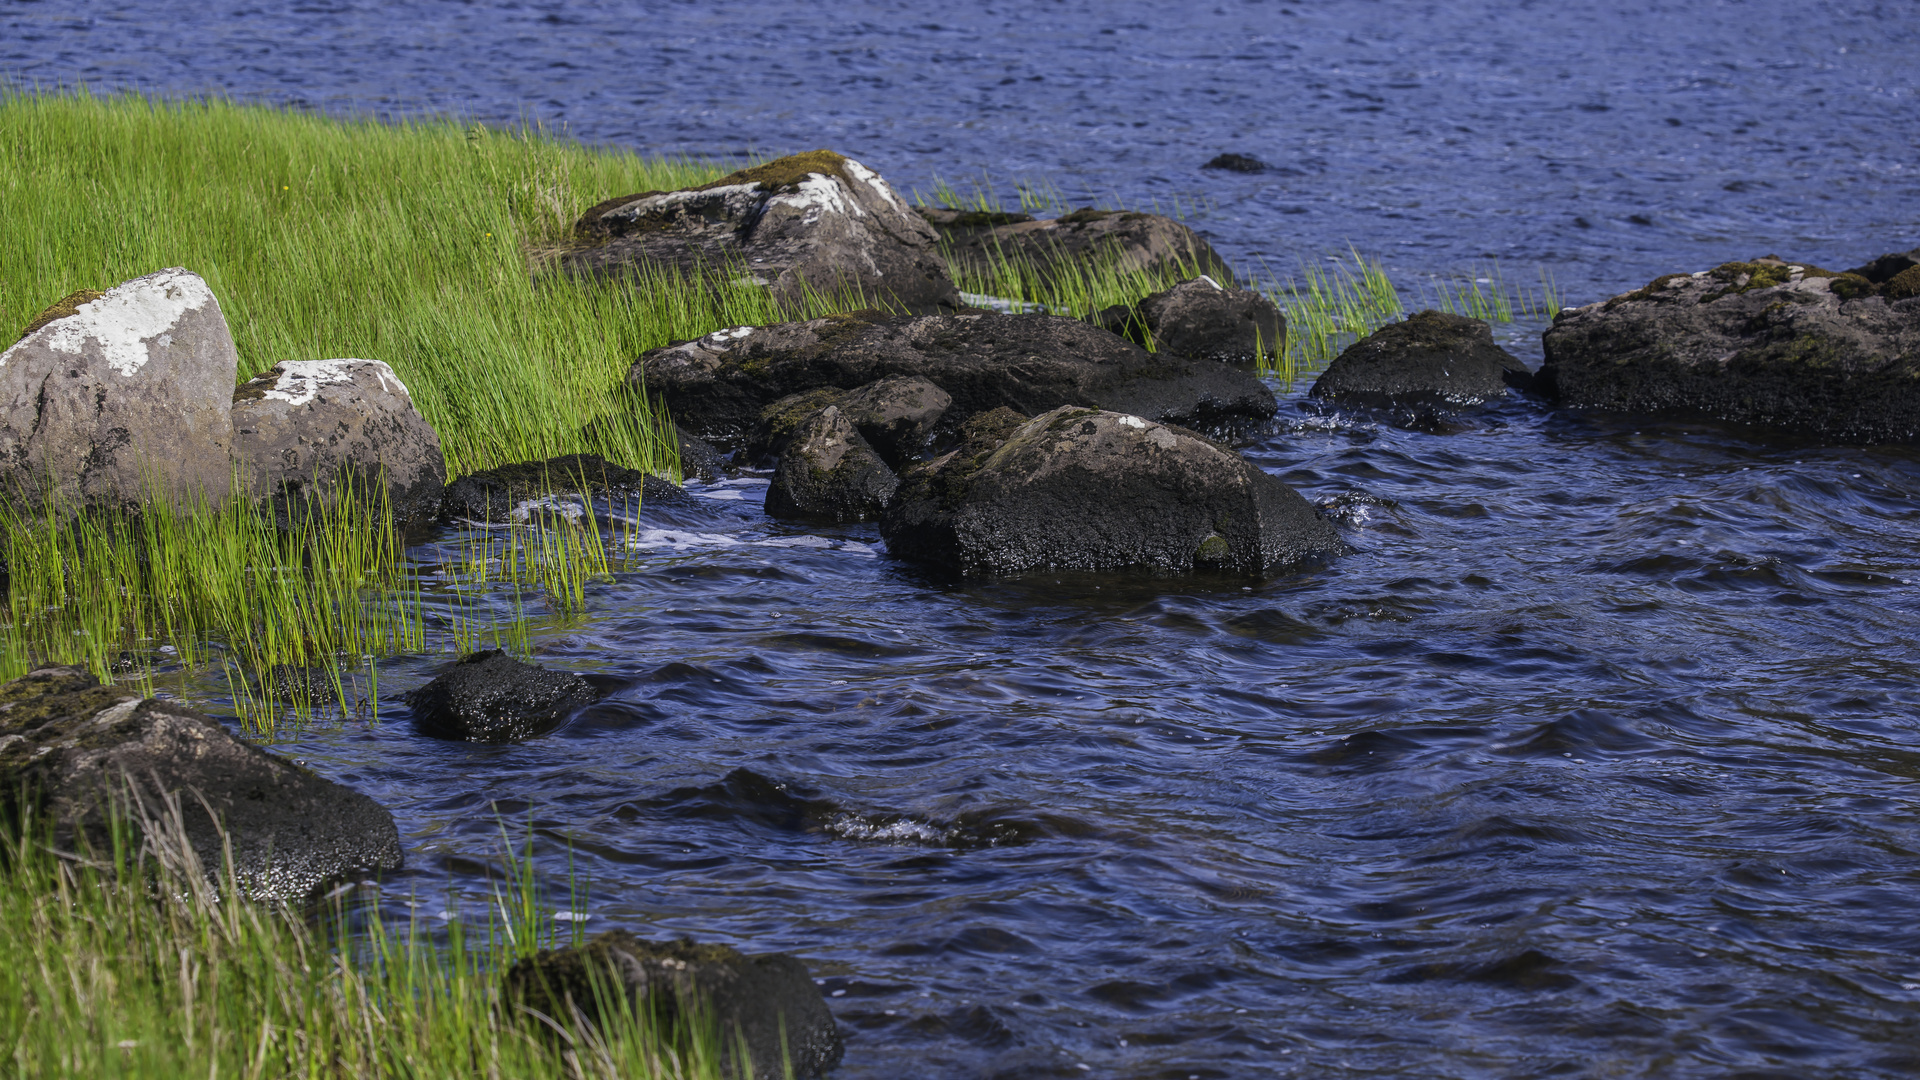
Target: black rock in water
(828,471)
(1239,163)
(764,1004)
(1204,319)
(1429,360)
(69,745)
(489,697)
(500,493)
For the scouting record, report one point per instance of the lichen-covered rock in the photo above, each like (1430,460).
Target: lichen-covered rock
(718,385)
(828,471)
(1050,248)
(1087,489)
(110,397)
(514,492)
(489,697)
(1202,318)
(1762,342)
(778,421)
(763,1004)
(1428,360)
(71,746)
(303,428)
(815,222)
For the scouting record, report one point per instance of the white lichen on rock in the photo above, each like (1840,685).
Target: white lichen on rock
(127,322)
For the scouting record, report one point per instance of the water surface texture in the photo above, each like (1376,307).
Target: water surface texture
(1596,758)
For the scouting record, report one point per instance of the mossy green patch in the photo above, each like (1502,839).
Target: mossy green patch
(1648,291)
(1905,284)
(787,173)
(1852,287)
(63,307)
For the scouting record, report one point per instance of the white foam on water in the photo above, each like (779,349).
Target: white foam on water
(895,832)
(570,507)
(678,539)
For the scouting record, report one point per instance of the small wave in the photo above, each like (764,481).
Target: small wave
(682,540)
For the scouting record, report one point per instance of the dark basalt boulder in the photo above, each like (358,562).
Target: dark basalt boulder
(897,415)
(718,385)
(71,747)
(1428,360)
(1900,266)
(1764,342)
(699,459)
(489,697)
(765,1004)
(828,471)
(111,395)
(1202,318)
(1239,163)
(1066,246)
(778,421)
(508,492)
(303,428)
(815,222)
(1086,489)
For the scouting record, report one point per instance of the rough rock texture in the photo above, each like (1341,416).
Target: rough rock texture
(304,427)
(71,745)
(1086,489)
(828,471)
(111,392)
(766,1002)
(1202,318)
(718,385)
(1128,240)
(1239,163)
(1428,360)
(508,492)
(489,697)
(778,421)
(815,221)
(897,415)
(699,459)
(1887,268)
(1763,342)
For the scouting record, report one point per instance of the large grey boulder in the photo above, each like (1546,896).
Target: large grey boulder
(827,470)
(1202,318)
(816,222)
(763,1004)
(71,747)
(304,427)
(1429,360)
(111,397)
(1764,342)
(718,385)
(1089,489)
(1071,245)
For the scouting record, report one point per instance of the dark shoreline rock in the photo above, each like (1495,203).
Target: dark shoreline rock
(1066,246)
(828,471)
(1430,360)
(489,697)
(501,493)
(1203,319)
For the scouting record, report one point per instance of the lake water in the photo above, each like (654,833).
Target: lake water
(1596,758)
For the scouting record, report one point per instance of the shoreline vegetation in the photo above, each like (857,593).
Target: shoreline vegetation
(429,245)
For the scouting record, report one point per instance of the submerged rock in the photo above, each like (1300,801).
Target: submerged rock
(1067,247)
(489,697)
(1430,359)
(827,470)
(1763,342)
(109,397)
(1205,319)
(71,746)
(810,223)
(765,1005)
(1239,163)
(1088,489)
(303,428)
(506,492)
(719,385)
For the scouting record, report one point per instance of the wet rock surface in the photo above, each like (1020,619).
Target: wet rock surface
(718,385)
(303,428)
(1093,490)
(816,222)
(1429,360)
(1204,319)
(897,415)
(1767,342)
(489,697)
(765,1004)
(511,492)
(1053,248)
(828,471)
(70,745)
(110,394)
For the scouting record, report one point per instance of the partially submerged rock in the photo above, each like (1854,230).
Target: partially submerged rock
(303,428)
(896,415)
(828,471)
(765,1004)
(718,385)
(1069,246)
(1428,360)
(489,697)
(816,222)
(1763,342)
(74,747)
(1088,489)
(1204,319)
(512,492)
(110,397)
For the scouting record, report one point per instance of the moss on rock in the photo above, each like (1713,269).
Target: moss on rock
(61,308)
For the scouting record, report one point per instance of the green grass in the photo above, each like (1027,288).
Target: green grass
(133,965)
